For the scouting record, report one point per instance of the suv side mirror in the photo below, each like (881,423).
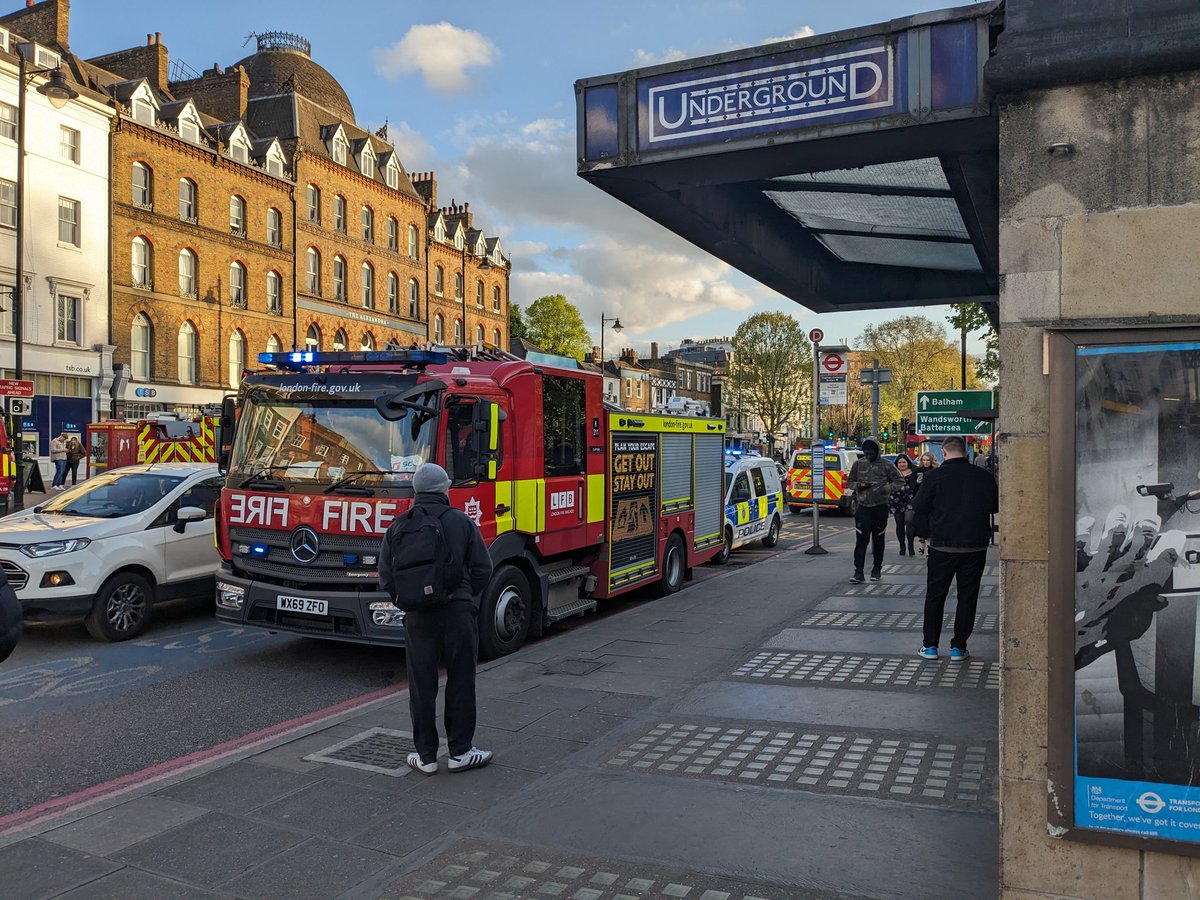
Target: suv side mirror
(187,514)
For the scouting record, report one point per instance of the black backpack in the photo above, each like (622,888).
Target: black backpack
(421,561)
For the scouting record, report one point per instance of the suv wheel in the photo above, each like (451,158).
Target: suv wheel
(122,608)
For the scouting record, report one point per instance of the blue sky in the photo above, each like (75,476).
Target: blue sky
(482,94)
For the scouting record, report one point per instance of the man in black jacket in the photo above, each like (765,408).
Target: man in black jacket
(954,508)
(449,632)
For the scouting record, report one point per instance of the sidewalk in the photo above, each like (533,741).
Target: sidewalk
(767,733)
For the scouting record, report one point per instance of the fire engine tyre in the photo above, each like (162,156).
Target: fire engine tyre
(722,556)
(505,613)
(122,608)
(772,537)
(674,566)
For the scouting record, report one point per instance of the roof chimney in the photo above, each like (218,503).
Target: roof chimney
(654,349)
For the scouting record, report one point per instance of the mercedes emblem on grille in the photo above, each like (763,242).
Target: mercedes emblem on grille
(305,545)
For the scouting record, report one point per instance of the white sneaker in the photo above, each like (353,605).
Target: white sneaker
(472,759)
(414,763)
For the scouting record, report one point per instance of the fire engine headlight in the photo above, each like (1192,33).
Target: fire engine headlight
(53,548)
(230,596)
(386,614)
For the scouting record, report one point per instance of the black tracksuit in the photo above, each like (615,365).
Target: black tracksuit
(954,508)
(449,634)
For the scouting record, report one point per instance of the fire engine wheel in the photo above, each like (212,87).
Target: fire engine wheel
(505,613)
(674,565)
(122,608)
(722,556)
(772,537)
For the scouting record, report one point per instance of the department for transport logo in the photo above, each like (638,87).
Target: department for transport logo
(305,545)
(733,100)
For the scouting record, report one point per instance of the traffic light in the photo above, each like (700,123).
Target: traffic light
(831,434)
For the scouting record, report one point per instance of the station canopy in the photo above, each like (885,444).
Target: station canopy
(854,170)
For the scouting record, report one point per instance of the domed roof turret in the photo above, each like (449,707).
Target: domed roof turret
(284,63)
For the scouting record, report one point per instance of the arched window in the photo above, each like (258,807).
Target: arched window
(458,332)
(142,270)
(414,299)
(439,329)
(439,280)
(496,337)
(496,298)
(237,216)
(273,344)
(339,278)
(313,267)
(143,186)
(458,286)
(187,353)
(368,224)
(237,284)
(393,293)
(339,339)
(393,234)
(237,358)
(141,338)
(314,203)
(187,199)
(479,294)
(339,213)
(412,241)
(479,334)
(368,341)
(274,227)
(187,273)
(274,293)
(312,340)
(368,286)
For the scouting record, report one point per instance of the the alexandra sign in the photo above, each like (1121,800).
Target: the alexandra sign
(764,94)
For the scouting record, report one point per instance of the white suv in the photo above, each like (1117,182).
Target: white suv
(110,547)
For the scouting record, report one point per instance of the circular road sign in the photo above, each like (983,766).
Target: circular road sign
(832,362)
(816,335)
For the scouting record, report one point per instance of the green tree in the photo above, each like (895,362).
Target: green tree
(771,372)
(920,356)
(969,317)
(516,322)
(554,324)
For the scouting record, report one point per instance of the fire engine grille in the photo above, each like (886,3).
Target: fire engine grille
(329,568)
(17,577)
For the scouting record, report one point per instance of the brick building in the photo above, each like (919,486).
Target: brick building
(690,378)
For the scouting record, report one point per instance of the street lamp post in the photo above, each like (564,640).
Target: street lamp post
(615,322)
(59,91)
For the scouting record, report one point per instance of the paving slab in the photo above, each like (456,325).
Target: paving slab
(413,823)
(474,789)
(242,786)
(122,826)
(315,870)
(134,884)
(330,809)
(34,868)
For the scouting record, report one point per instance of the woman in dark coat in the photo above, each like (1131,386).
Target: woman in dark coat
(900,504)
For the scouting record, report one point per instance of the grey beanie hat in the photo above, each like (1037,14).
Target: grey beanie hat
(431,478)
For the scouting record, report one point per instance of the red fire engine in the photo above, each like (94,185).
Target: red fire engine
(114,443)
(577,502)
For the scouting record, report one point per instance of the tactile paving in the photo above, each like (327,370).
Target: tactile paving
(884,589)
(861,671)
(374,750)
(919,569)
(818,759)
(897,621)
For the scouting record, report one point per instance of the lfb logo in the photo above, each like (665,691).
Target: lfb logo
(562,500)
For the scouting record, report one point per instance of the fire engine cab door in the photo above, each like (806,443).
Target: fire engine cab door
(564,444)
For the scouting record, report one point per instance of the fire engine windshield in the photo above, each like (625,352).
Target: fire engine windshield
(319,442)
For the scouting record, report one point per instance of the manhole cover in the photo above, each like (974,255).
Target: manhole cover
(861,671)
(375,750)
(569,666)
(890,621)
(820,760)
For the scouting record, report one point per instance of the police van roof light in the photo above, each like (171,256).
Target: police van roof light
(298,359)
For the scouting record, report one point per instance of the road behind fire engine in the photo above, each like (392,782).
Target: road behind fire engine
(189,684)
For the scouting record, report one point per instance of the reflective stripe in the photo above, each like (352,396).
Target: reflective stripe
(595,498)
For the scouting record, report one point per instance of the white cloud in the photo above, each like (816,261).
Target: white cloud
(802,32)
(416,153)
(442,53)
(643,58)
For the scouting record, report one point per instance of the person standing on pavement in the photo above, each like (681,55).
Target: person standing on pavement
(900,503)
(871,480)
(925,464)
(954,507)
(58,456)
(445,629)
(74,455)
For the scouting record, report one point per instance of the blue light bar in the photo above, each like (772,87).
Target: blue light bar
(299,359)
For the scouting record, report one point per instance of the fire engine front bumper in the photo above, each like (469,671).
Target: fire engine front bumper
(360,617)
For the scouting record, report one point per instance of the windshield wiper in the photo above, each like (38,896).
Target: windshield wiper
(354,476)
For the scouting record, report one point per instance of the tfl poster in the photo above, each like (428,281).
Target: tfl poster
(1137,589)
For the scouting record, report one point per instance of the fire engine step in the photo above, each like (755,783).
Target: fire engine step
(562,611)
(555,576)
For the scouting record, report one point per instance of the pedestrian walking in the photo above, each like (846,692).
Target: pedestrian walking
(872,479)
(900,503)
(434,566)
(926,463)
(58,456)
(74,455)
(954,508)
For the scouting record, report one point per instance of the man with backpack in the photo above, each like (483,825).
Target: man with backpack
(434,566)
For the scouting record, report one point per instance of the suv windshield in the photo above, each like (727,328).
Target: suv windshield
(113,495)
(319,442)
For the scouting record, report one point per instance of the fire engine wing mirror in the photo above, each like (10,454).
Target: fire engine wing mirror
(225,436)
(394,407)
(487,418)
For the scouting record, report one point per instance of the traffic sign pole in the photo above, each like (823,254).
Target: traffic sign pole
(816,549)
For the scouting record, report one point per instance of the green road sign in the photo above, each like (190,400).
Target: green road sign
(938,412)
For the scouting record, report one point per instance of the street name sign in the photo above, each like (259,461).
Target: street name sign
(938,412)
(12,387)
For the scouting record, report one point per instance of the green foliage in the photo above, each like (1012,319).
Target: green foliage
(554,324)
(920,356)
(771,373)
(972,317)
(516,322)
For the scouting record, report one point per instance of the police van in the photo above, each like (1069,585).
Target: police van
(753,503)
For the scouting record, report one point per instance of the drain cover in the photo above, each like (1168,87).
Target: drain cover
(566,665)
(374,750)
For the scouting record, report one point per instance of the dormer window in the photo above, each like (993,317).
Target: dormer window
(439,232)
(341,147)
(189,131)
(239,152)
(275,166)
(368,162)
(393,175)
(458,239)
(143,111)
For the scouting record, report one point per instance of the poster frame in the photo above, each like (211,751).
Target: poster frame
(1060,364)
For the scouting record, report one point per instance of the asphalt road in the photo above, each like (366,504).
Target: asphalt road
(75,712)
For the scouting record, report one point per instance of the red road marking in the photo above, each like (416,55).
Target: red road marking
(35,815)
